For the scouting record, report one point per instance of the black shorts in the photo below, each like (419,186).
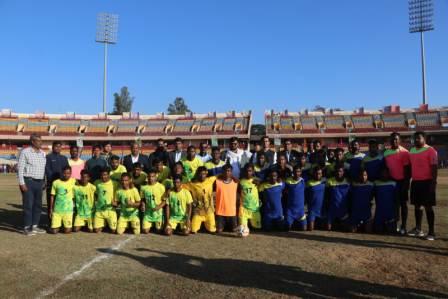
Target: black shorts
(421,194)
(226,221)
(403,190)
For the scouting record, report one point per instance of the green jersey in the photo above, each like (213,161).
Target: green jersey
(85,199)
(63,195)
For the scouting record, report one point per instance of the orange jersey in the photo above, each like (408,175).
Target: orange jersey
(226,198)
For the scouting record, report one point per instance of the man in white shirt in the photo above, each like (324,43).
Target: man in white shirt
(236,157)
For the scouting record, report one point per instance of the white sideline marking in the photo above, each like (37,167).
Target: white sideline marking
(84,267)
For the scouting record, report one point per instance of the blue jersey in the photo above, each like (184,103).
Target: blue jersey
(373,166)
(354,162)
(295,204)
(361,196)
(315,195)
(385,198)
(272,200)
(338,199)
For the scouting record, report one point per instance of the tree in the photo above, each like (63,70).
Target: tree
(258,130)
(178,107)
(123,101)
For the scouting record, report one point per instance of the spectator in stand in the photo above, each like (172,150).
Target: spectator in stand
(95,164)
(424,161)
(255,151)
(292,156)
(107,152)
(53,169)
(271,156)
(178,154)
(160,153)
(315,146)
(76,163)
(203,154)
(397,161)
(31,173)
(235,156)
(136,157)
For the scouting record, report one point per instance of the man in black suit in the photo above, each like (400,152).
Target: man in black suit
(292,156)
(160,153)
(136,156)
(178,153)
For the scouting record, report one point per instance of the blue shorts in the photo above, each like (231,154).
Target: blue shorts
(291,217)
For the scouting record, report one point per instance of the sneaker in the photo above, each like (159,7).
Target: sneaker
(28,232)
(38,230)
(430,237)
(403,231)
(416,233)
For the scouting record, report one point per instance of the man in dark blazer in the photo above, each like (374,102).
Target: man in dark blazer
(292,156)
(160,153)
(178,153)
(136,156)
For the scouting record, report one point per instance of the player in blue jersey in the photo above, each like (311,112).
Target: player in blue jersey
(338,200)
(354,158)
(386,193)
(295,200)
(271,193)
(361,196)
(315,195)
(373,162)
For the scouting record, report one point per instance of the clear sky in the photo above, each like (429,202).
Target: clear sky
(219,55)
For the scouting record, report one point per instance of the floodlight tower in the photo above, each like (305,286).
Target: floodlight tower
(106,33)
(421,14)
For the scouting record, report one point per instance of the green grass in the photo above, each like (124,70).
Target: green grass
(318,264)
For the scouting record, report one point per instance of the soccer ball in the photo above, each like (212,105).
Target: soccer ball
(243,231)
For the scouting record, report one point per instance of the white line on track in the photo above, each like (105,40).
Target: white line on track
(84,267)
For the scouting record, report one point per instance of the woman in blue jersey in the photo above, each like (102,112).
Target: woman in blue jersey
(338,190)
(295,200)
(271,193)
(361,196)
(315,195)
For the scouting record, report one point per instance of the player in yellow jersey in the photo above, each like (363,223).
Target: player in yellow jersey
(162,171)
(191,162)
(201,189)
(116,169)
(105,203)
(61,202)
(84,200)
(249,211)
(138,175)
(129,200)
(178,212)
(153,197)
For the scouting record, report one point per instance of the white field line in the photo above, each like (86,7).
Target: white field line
(51,290)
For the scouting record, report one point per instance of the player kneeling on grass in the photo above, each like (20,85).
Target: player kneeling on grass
(271,194)
(386,193)
(361,195)
(104,204)
(201,189)
(61,202)
(178,210)
(153,197)
(249,212)
(295,203)
(226,200)
(338,200)
(84,200)
(129,200)
(315,196)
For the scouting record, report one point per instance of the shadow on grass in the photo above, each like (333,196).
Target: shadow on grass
(358,242)
(279,279)
(12,219)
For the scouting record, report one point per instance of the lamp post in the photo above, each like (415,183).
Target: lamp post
(106,33)
(421,14)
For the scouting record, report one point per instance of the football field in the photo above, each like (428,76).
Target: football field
(300,264)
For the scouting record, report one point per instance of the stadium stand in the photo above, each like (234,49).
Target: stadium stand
(228,125)
(127,127)
(155,126)
(334,124)
(8,125)
(67,127)
(97,127)
(183,126)
(38,126)
(363,123)
(207,125)
(395,122)
(427,120)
